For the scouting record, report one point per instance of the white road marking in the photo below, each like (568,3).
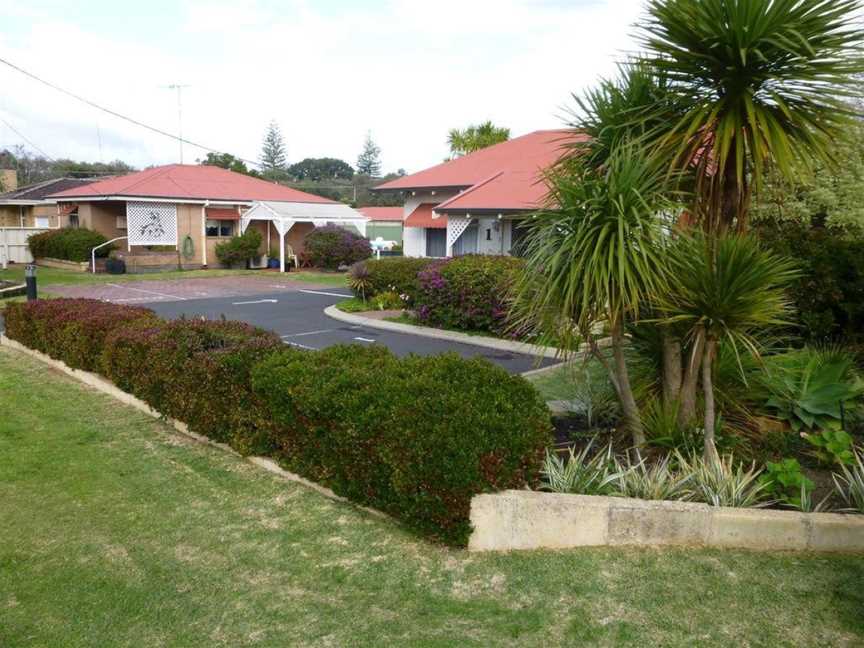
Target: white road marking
(297,344)
(308,333)
(149,292)
(364,339)
(257,301)
(129,299)
(320,292)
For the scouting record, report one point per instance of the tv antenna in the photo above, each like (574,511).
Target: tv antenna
(179,88)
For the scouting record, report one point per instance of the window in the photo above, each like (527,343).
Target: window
(219,227)
(436,242)
(120,222)
(467,243)
(73,220)
(43,221)
(518,237)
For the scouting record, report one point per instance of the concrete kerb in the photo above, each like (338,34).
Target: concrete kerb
(103,385)
(514,520)
(438,334)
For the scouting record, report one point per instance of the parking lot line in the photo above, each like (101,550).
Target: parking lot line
(297,344)
(149,292)
(321,292)
(308,333)
(362,339)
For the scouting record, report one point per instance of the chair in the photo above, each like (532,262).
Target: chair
(290,256)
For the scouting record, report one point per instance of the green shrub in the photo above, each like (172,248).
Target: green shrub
(415,437)
(829,295)
(72,330)
(785,482)
(397,274)
(198,372)
(722,482)
(832,447)
(239,249)
(331,247)
(468,292)
(850,484)
(69,244)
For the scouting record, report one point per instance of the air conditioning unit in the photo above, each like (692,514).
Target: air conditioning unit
(258,262)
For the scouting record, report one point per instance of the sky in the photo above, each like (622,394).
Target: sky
(326,71)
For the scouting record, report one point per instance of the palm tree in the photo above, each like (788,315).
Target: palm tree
(594,256)
(760,82)
(725,290)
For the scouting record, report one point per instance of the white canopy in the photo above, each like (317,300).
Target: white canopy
(283,215)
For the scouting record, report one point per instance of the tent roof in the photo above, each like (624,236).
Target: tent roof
(300,211)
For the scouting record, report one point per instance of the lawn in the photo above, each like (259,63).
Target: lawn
(114,532)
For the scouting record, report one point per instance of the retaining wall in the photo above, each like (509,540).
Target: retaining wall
(533,520)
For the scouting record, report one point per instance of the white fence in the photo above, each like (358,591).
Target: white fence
(13,244)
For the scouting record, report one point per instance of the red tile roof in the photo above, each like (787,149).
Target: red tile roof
(190,182)
(505,177)
(382,213)
(422,217)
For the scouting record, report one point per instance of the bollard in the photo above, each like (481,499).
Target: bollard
(30,280)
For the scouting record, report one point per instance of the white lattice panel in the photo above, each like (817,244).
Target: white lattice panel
(455,228)
(151,223)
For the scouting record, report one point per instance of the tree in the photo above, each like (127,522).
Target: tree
(475,137)
(321,169)
(726,289)
(760,81)
(225,161)
(369,161)
(595,256)
(826,196)
(273,157)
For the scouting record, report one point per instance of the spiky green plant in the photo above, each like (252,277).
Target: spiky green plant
(582,473)
(596,255)
(850,484)
(719,482)
(760,82)
(727,289)
(650,481)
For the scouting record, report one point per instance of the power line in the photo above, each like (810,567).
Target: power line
(26,139)
(116,114)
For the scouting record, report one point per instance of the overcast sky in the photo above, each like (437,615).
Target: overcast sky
(327,71)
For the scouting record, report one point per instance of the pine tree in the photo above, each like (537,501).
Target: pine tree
(273,158)
(369,162)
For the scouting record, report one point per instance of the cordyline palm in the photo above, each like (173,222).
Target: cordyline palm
(726,290)
(594,256)
(760,81)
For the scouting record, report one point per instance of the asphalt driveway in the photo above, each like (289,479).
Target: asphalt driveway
(294,310)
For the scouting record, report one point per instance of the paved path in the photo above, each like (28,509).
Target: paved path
(292,309)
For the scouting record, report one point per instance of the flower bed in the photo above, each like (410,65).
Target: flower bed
(415,437)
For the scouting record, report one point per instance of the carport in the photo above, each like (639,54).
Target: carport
(284,215)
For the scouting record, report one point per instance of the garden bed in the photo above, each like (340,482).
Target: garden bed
(11,289)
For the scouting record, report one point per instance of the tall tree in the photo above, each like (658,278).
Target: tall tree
(369,160)
(761,81)
(475,137)
(273,156)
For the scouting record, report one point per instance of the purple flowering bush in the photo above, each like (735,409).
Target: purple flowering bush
(331,246)
(468,292)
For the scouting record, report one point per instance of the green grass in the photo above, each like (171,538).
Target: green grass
(354,305)
(114,532)
(59,276)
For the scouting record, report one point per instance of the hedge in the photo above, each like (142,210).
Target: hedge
(239,249)
(72,330)
(417,437)
(331,247)
(69,244)
(394,273)
(467,292)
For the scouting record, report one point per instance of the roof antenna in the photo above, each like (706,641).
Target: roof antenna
(179,88)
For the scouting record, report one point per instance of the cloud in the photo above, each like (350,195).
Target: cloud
(326,71)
